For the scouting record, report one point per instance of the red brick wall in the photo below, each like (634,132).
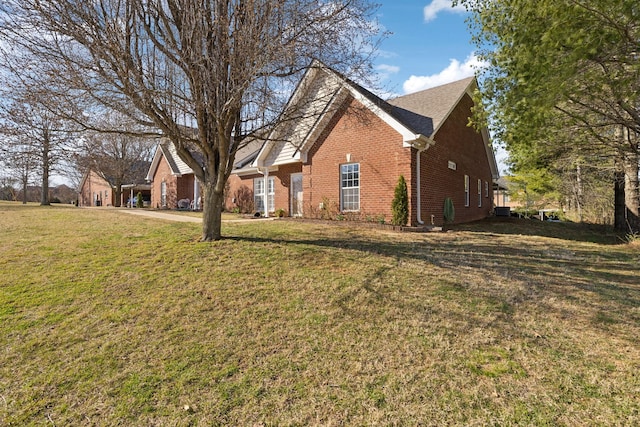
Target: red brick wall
(459,143)
(283,185)
(178,187)
(382,158)
(184,185)
(235,182)
(371,143)
(163,174)
(92,186)
(282,178)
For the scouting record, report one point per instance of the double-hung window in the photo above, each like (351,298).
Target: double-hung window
(258,194)
(350,187)
(466,190)
(271,194)
(479,193)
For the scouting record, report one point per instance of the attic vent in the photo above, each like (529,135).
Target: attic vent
(452,165)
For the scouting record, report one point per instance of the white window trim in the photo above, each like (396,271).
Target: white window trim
(271,193)
(466,191)
(342,208)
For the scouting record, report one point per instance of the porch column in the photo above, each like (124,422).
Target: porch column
(196,194)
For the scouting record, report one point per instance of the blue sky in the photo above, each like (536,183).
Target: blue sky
(429,45)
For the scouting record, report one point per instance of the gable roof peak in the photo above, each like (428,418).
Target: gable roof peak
(435,103)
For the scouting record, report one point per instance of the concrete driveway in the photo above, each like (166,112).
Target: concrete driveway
(181,218)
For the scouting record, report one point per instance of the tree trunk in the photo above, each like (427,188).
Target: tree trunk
(117,193)
(631,193)
(619,207)
(211,213)
(25,185)
(579,195)
(44,196)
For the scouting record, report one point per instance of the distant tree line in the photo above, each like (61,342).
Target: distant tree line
(11,191)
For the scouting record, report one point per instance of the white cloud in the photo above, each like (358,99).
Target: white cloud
(436,6)
(455,71)
(385,71)
(383,75)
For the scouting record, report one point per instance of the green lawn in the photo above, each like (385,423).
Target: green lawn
(113,319)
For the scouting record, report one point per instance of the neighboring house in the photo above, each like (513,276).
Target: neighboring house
(503,189)
(171,179)
(173,182)
(350,149)
(95,190)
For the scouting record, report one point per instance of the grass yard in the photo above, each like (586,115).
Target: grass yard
(112,319)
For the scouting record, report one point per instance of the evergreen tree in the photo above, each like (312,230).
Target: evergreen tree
(400,204)
(563,93)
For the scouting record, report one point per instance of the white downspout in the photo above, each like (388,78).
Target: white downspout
(418,192)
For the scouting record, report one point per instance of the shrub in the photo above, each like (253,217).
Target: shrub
(139,200)
(243,198)
(449,211)
(400,204)
(326,209)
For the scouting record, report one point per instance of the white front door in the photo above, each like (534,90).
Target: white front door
(296,194)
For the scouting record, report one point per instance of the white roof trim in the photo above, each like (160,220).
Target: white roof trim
(468,91)
(183,168)
(298,92)
(154,163)
(409,138)
(491,156)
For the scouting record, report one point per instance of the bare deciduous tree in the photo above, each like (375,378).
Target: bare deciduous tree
(19,161)
(209,74)
(118,157)
(38,136)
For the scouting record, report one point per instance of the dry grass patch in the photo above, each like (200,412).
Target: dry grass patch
(109,319)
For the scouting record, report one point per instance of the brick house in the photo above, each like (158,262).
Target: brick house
(173,183)
(96,190)
(346,154)
(171,179)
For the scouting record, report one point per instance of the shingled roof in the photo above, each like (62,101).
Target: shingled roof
(422,112)
(426,110)
(244,155)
